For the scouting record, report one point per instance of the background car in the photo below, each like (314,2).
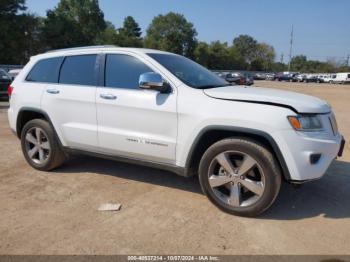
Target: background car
(341,78)
(5,81)
(270,76)
(299,77)
(249,79)
(13,73)
(310,78)
(234,78)
(259,76)
(320,78)
(285,77)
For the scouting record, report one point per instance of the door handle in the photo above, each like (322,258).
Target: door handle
(53,91)
(108,96)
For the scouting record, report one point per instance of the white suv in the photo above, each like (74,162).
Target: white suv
(160,109)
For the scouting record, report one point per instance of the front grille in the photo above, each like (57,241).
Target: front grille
(334,124)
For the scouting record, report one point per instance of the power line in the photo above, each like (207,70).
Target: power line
(291,48)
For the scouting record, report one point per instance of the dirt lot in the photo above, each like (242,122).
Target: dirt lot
(56,213)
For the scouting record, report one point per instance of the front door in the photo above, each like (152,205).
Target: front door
(132,122)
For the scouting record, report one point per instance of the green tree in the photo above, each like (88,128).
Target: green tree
(246,46)
(278,67)
(202,55)
(264,57)
(299,63)
(15,31)
(10,8)
(109,36)
(172,32)
(73,23)
(130,34)
(218,56)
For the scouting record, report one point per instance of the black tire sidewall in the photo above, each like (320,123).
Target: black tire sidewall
(272,178)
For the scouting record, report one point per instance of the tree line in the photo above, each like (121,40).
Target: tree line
(74,23)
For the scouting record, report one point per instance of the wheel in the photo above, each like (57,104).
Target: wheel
(40,145)
(239,176)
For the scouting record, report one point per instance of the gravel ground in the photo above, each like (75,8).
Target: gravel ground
(56,213)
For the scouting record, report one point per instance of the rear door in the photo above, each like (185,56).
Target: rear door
(70,103)
(133,122)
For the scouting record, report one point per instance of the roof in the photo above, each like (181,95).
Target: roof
(99,48)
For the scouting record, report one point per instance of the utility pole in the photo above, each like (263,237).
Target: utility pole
(347,60)
(282,58)
(290,48)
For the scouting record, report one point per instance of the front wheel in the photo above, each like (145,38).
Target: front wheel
(240,176)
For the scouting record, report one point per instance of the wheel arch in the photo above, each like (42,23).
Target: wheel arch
(212,134)
(25,114)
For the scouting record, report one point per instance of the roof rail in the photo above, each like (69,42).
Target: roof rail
(81,48)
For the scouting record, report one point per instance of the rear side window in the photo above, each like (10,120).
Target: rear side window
(45,70)
(79,70)
(123,71)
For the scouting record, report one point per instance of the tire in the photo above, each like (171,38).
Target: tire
(48,153)
(225,197)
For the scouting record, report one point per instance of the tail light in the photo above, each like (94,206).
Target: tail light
(9,90)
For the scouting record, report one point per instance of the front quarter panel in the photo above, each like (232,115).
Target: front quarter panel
(196,112)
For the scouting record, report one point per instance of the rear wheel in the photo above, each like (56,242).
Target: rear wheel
(40,145)
(240,176)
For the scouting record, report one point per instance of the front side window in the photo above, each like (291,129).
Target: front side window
(123,71)
(78,70)
(189,72)
(45,70)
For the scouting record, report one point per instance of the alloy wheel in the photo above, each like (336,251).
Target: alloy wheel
(37,145)
(236,179)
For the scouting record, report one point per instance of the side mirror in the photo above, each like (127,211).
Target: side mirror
(153,81)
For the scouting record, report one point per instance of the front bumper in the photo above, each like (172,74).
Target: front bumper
(299,150)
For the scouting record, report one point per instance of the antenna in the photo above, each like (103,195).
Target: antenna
(291,47)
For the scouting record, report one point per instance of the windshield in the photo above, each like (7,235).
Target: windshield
(189,72)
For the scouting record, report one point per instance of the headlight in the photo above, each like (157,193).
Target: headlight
(306,122)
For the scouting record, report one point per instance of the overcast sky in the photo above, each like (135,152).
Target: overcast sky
(321,27)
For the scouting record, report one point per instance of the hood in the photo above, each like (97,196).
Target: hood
(295,101)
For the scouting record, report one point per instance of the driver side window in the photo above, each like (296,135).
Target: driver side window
(123,71)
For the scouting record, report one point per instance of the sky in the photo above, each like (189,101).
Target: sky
(321,27)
